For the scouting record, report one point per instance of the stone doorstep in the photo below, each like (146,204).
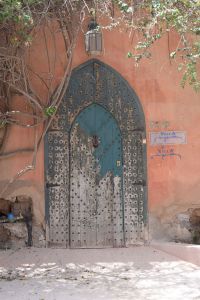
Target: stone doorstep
(187,252)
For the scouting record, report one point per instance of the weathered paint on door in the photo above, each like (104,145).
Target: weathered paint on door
(96,206)
(95,83)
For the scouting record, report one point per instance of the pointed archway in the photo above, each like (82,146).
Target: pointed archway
(95,83)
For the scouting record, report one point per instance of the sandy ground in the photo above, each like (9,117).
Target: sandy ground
(90,274)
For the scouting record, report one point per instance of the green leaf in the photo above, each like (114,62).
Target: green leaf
(50,111)
(129,54)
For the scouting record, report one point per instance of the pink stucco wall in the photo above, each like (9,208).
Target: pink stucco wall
(173,183)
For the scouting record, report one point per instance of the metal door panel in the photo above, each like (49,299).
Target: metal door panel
(93,171)
(95,83)
(82,193)
(57,204)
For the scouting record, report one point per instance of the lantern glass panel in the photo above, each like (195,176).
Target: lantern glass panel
(93,42)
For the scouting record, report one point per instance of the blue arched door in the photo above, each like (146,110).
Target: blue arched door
(96,204)
(85,178)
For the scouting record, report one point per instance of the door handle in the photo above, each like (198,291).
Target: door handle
(50,185)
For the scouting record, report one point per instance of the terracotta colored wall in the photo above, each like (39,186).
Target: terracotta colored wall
(173,183)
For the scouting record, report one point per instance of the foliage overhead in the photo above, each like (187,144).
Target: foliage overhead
(152,19)
(161,17)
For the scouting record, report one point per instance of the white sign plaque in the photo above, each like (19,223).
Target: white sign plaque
(168,138)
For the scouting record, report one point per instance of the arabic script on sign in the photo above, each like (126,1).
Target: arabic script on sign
(168,138)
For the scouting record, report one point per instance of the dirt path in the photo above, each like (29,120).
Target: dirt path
(110,274)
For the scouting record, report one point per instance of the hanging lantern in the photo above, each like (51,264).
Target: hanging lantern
(93,39)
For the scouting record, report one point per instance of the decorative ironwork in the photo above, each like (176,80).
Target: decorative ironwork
(95,82)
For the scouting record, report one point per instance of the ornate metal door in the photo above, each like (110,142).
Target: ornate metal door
(85,178)
(96,206)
